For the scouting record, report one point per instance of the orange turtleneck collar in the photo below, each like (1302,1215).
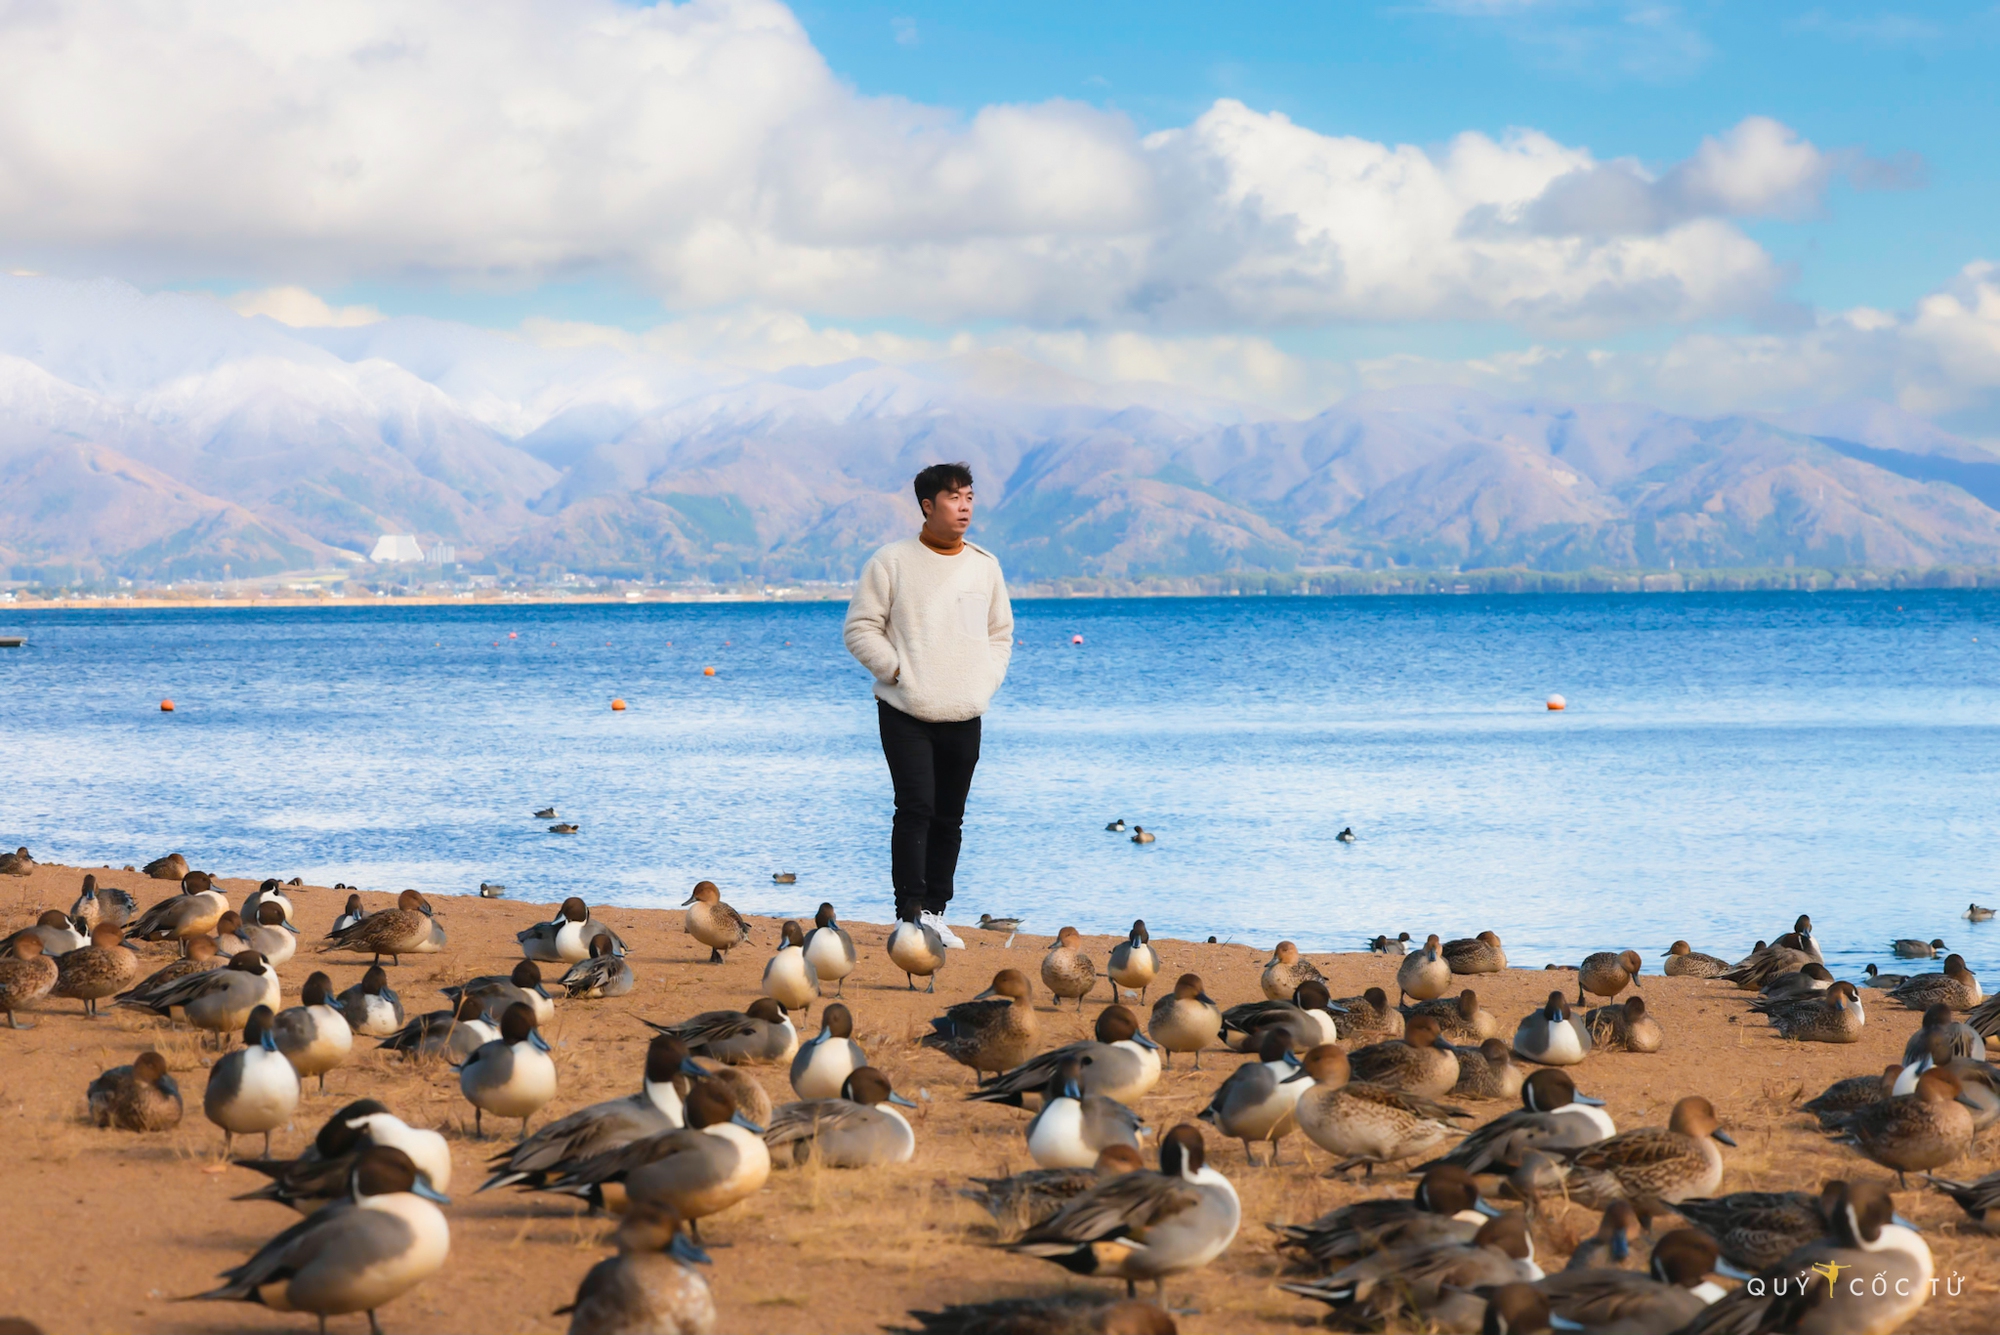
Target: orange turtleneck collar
(924,536)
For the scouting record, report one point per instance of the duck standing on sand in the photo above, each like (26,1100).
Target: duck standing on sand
(1308,1018)
(268,934)
(103,904)
(253,1088)
(321,1173)
(1832,1016)
(763,1035)
(349,915)
(220,1000)
(712,922)
(99,970)
(1368,1018)
(1122,1064)
(1134,962)
(314,1036)
(1925,1129)
(139,1097)
(1476,954)
(1073,1127)
(1487,1071)
(202,957)
(55,931)
(1423,975)
(1285,971)
(1553,1116)
(496,992)
(1460,1018)
(453,1034)
(605,974)
(372,1008)
(1187,1021)
(650,1285)
(658,1105)
(1664,1164)
(193,912)
(830,950)
(1366,1124)
(512,1076)
(789,977)
(918,950)
(270,892)
(1552,1035)
(822,1066)
(995,1031)
(1418,1063)
(403,930)
(1683,961)
(172,867)
(17,863)
(1446,1207)
(1066,970)
(1256,1102)
(1027,1198)
(859,1129)
(566,938)
(1607,973)
(718,1159)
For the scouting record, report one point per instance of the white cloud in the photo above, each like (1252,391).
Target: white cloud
(706,151)
(301,309)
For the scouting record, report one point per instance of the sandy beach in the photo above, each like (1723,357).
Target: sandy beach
(112,1227)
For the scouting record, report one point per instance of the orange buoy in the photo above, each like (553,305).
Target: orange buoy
(1557,703)
(1076,639)
(166,706)
(512,636)
(617,705)
(708,672)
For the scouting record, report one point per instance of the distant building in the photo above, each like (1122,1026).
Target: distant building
(396,547)
(443,554)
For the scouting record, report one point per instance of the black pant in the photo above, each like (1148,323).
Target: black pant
(931,766)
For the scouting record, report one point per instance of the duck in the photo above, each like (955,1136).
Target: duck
(1418,1063)
(1399,944)
(1024,1199)
(1363,1124)
(1763,964)
(546,813)
(1801,938)
(454,1033)
(1683,961)
(220,1001)
(917,949)
(270,892)
(511,1076)
(1446,1207)
(1809,981)
(403,930)
(1073,1126)
(1142,835)
(1864,1236)
(1924,1129)
(821,1067)
(1626,1028)
(1607,973)
(495,992)
(349,915)
(1488,1071)
(1368,1018)
(1552,1035)
(650,1285)
(1612,1246)
(1423,975)
(1346,835)
(789,977)
(830,951)
(252,1088)
(784,878)
(1889,981)
(1979,1082)
(1673,1291)
(1832,1016)
(20,862)
(229,934)
(1255,1103)
(1842,1097)
(1011,926)
(712,922)
(96,971)
(201,957)
(103,904)
(658,1105)
(322,1172)
(172,867)
(1980,1199)
(314,1035)
(356,1255)
(859,1129)
(1665,1164)
(604,975)
(57,932)
(140,1097)
(1476,954)
(762,1035)
(492,890)
(1553,1116)
(372,1008)
(1975,913)
(1960,1038)
(1956,987)
(718,1159)
(1134,963)
(1144,1225)
(1755,1230)
(1066,970)
(1122,1064)
(1285,971)
(1187,1021)
(268,934)
(564,827)
(1432,1284)
(1460,1017)
(1309,1017)
(566,938)
(995,1031)
(1910,948)
(193,912)
(1116,826)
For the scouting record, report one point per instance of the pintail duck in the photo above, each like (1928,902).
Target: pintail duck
(1832,1016)
(566,938)
(321,1173)
(1460,1017)
(1979,1082)
(714,923)
(1980,1200)
(1488,1071)
(1368,1018)
(1755,1230)
(1809,981)
(314,1036)
(20,862)
(270,892)
(221,1000)
(1187,1021)
(995,1031)
(605,974)
(1366,1124)
(1025,1199)
(830,950)
(1066,1312)
(1801,938)
(371,1006)
(1910,948)
(1613,1245)
(1423,975)
(1552,1117)
(1255,1103)
(918,950)
(193,912)
(268,934)
(859,1129)
(789,977)
(512,1076)
(1683,961)
(172,867)
(1674,1290)
(1960,1039)
(716,1160)
(1308,1017)
(822,1066)
(1977,914)
(1011,926)
(139,1097)
(356,1255)
(658,1105)
(1072,1127)
(1864,1237)
(1653,1164)
(1445,1208)
(1134,962)
(1476,954)
(103,904)
(453,1034)
(1552,1035)
(1399,944)
(1956,987)
(1888,981)
(763,1035)
(253,1088)
(1419,1063)
(1845,1096)
(650,1285)
(1764,963)
(1122,1064)
(752,1100)
(229,934)
(1607,973)
(495,992)
(1926,1128)
(546,813)
(1626,1028)
(351,914)
(99,970)
(201,957)
(1141,835)
(1144,1225)
(1066,970)
(1286,971)
(403,930)
(1431,1282)
(57,933)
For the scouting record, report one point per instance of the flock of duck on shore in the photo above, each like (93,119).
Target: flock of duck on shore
(1369,1082)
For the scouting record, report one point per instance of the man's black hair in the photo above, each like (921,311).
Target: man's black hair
(939,478)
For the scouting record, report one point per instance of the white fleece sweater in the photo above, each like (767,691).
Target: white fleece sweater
(935,631)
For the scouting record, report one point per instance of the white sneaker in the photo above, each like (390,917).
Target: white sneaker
(935,921)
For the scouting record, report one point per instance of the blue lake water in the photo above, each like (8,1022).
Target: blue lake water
(1726,761)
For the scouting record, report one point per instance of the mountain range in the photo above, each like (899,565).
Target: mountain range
(163,435)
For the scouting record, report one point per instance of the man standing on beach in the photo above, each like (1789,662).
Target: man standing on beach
(930,619)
